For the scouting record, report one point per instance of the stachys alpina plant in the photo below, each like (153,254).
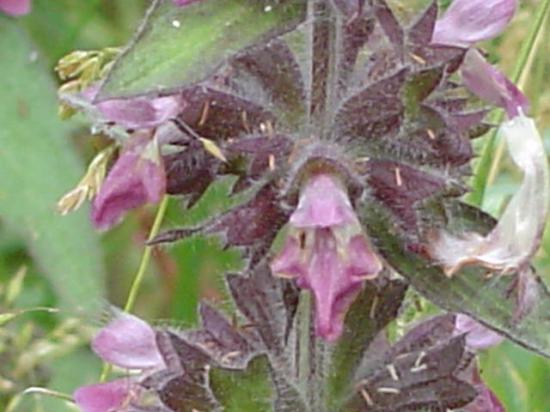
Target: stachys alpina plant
(348,131)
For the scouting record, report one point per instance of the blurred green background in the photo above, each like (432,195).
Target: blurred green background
(51,261)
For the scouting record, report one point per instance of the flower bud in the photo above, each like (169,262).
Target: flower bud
(103,397)
(128,342)
(467,22)
(491,85)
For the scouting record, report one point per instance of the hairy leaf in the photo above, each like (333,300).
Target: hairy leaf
(178,46)
(492,301)
(424,377)
(244,391)
(375,307)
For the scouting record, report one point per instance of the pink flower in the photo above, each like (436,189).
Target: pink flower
(15,7)
(138,177)
(327,252)
(491,85)
(128,342)
(140,112)
(136,112)
(103,397)
(478,337)
(467,22)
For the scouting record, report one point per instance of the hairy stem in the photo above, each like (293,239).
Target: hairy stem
(303,322)
(488,162)
(140,274)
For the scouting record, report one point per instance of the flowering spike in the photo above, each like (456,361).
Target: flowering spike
(327,252)
(128,342)
(103,397)
(492,85)
(15,7)
(467,22)
(138,177)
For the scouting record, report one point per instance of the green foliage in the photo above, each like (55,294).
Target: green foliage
(165,56)
(244,391)
(37,165)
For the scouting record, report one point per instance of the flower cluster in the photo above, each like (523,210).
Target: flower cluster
(314,155)
(126,342)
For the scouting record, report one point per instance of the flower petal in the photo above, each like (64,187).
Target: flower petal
(15,7)
(467,22)
(517,235)
(333,285)
(289,263)
(103,397)
(323,203)
(128,342)
(478,336)
(137,112)
(332,273)
(492,85)
(138,177)
(140,112)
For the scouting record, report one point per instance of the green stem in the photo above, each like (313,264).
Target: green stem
(140,274)
(484,166)
(138,279)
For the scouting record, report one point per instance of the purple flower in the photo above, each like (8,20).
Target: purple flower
(327,252)
(103,397)
(467,22)
(15,7)
(138,177)
(141,112)
(137,112)
(128,342)
(491,85)
(478,337)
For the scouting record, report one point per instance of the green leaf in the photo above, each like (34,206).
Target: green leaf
(37,165)
(182,45)
(490,300)
(243,391)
